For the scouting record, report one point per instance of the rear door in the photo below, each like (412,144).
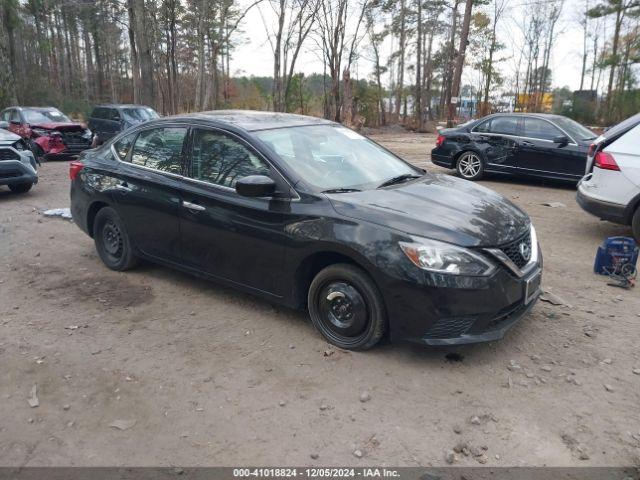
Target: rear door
(148,195)
(223,234)
(495,137)
(538,154)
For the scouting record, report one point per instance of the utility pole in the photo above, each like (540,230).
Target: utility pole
(457,77)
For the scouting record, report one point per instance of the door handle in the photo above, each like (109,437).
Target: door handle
(193,206)
(123,187)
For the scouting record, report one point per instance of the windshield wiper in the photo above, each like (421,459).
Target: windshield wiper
(398,179)
(341,190)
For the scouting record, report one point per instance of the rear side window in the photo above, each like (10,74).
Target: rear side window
(160,149)
(538,128)
(114,114)
(220,159)
(123,145)
(98,113)
(504,125)
(15,117)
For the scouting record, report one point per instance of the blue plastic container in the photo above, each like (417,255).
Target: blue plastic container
(614,253)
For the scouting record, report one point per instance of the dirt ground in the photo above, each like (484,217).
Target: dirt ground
(197,374)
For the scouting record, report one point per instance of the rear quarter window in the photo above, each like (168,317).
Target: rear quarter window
(123,145)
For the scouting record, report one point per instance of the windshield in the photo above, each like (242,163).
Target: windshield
(139,115)
(45,116)
(333,157)
(574,129)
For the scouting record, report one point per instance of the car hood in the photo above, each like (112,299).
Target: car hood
(7,136)
(439,207)
(61,126)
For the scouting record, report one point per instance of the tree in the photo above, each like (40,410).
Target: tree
(455,87)
(7,82)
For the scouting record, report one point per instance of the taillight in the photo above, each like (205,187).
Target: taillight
(74,169)
(592,149)
(440,140)
(606,161)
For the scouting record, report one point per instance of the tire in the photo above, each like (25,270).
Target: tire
(635,225)
(346,307)
(112,242)
(37,151)
(470,166)
(20,187)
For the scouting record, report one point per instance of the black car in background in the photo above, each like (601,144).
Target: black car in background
(307,213)
(106,121)
(538,145)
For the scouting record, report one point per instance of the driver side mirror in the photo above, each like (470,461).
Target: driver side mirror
(256,186)
(4,124)
(561,140)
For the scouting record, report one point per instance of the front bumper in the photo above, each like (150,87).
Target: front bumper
(470,310)
(22,169)
(605,210)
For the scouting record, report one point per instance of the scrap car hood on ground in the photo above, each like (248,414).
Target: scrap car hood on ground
(439,207)
(7,136)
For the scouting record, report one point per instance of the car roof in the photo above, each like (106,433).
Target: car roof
(120,105)
(549,116)
(251,120)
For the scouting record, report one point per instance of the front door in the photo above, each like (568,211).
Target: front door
(148,194)
(538,154)
(223,234)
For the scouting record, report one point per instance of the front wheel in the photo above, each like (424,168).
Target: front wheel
(470,166)
(112,241)
(346,307)
(20,187)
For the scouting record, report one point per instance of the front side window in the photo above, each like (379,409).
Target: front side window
(331,157)
(5,115)
(123,145)
(538,128)
(45,116)
(160,149)
(220,159)
(114,115)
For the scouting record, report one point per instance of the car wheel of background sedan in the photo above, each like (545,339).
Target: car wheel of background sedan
(470,166)
(346,307)
(112,241)
(635,225)
(20,187)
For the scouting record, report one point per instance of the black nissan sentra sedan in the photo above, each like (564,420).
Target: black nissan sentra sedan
(525,145)
(307,213)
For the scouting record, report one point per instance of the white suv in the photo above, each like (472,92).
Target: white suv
(610,189)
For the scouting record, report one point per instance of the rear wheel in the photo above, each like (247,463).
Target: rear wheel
(346,307)
(635,225)
(20,187)
(470,166)
(112,242)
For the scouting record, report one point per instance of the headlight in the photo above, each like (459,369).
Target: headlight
(440,257)
(19,145)
(41,132)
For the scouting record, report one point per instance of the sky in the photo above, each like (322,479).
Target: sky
(254,55)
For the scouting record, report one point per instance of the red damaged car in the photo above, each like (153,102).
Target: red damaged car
(49,132)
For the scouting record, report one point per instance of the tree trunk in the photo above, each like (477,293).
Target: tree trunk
(401,47)
(464,35)
(7,82)
(418,105)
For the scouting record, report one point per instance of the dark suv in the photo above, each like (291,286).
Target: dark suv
(106,121)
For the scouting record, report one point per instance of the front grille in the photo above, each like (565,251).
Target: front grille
(450,327)
(10,174)
(75,139)
(8,154)
(512,250)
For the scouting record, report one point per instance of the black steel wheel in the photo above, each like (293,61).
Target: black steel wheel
(346,307)
(112,241)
